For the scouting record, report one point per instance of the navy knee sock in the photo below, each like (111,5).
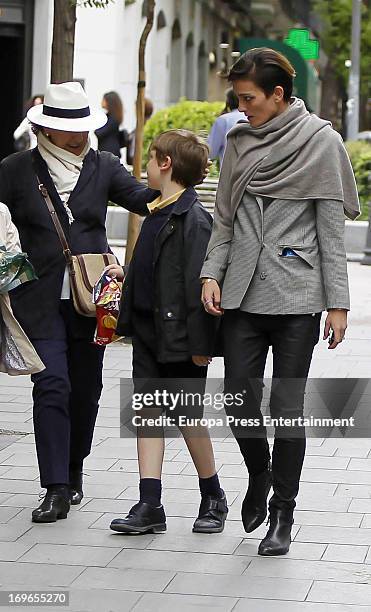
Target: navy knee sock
(210,486)
(150,491)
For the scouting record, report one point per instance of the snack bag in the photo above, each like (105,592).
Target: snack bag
(106,297)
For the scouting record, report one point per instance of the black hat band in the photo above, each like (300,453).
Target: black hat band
(66,113)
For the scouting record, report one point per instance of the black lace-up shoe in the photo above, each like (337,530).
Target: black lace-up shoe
(142,518)
(53,508)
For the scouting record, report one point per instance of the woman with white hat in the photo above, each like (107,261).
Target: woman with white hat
(80,182)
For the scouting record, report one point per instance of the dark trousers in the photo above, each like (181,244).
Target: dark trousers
(65,396)
(247,338)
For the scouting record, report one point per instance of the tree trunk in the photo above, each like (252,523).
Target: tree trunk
(331,94)
(134,220)
(63,41)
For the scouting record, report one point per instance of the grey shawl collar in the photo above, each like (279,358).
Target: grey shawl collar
(294,156)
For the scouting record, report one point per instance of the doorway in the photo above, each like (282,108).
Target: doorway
(11,99)
(16,31)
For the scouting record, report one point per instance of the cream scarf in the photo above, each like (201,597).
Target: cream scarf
(64,168)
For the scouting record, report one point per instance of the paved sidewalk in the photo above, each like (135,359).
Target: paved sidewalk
(327,569)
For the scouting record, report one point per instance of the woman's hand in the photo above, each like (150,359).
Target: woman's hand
(336,321)
(115,271)
(211,296)
(201,360)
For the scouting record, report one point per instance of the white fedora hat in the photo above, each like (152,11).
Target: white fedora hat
(66,108)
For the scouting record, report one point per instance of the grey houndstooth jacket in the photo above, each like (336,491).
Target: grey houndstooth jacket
(254,275)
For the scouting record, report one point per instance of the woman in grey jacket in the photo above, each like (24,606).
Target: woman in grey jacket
(275,261)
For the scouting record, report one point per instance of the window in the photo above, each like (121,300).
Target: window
(161,20)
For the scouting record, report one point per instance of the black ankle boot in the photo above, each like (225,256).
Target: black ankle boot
(254,506)
(55,506)
(76,492)
(278,538)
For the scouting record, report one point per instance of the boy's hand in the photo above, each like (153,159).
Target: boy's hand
(210,297)
(201,361)
(115,271)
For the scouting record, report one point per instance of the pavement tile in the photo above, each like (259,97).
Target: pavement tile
(131,465)
(21,460)
(345,553)
(311,570)
(7,513)
(180,561)
(340,476)
(11,551)
(266,605)
(18,486)
(357,490)
(323,463)
(64,554)
(10,532)
(22,473)
(196,542)
(130,580)
(336,592)
(100,600)
(334,535)
(239,586)
(30,576)
(166,602)
(88,537)
(298,550)
(333,519)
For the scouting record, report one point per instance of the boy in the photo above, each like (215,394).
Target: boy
(173,336)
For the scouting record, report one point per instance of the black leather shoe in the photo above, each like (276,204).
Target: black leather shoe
(76,492)
(142,518)
(211,515)
(54,507)
(278,538)
(254,506)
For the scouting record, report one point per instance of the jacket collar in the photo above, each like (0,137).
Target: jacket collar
(185,202)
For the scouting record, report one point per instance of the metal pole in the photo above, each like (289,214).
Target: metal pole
(353,86)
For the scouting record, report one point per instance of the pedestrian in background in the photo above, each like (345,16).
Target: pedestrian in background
(109,137)
(24,138)
(80,182)
(218,136)
(277,250)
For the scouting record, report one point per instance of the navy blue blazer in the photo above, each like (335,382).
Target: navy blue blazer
(102,179)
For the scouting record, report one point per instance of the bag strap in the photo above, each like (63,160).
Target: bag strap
(57,224)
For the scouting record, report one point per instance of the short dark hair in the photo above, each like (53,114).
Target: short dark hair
(189,155)
(266,68)
(35,128)
(231,100)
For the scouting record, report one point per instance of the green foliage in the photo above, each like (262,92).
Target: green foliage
(336,37)
(186,114)
(360,155)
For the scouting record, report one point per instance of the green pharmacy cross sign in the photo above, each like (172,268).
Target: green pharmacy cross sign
(298,38)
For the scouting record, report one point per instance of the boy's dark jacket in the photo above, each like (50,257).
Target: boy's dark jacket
(183,328)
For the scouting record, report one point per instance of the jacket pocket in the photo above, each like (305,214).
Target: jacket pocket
(301,253)
(174,328)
